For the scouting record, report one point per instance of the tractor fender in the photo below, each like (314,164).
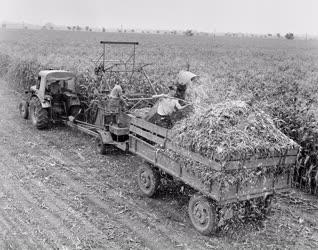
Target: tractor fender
(106,136)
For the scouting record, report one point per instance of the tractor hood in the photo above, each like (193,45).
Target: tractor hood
(56,75)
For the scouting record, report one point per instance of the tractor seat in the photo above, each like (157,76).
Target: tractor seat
(58,98)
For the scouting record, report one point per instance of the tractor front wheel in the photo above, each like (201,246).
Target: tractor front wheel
(24,109)
(39,116)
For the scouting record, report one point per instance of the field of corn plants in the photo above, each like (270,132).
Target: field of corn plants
(278,75)
(237,76)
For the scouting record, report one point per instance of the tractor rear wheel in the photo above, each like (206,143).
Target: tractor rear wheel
(24,109)
(39,116)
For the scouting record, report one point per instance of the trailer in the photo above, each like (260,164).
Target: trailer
(150,142)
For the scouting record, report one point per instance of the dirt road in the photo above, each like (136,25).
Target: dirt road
(56,192)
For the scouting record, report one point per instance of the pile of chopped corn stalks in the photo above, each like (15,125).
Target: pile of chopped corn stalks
(230,130)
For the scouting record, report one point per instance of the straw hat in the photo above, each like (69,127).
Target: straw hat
(185,77)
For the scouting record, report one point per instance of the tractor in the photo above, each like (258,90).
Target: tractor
(53,99)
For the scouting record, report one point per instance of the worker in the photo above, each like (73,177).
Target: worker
(165,107)
(117,103)
(116,98)
(55,90)
(116,92)
(184,79)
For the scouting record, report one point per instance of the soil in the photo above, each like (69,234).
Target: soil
(57,192)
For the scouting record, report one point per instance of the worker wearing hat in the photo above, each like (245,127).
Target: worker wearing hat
(184,78)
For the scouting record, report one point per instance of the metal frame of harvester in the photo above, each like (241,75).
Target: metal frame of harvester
(111,68)
(115,66)
(111,127)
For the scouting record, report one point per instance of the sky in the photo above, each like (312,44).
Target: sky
(246,16)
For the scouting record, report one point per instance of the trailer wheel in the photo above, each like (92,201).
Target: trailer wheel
(24,109)
(148,180)
(100,146)
(202,214)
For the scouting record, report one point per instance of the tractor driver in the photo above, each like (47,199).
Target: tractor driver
(55,90)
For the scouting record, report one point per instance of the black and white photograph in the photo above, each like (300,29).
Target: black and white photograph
(158,125)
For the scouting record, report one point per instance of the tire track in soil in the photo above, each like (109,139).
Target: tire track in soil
(70,175)
(91,229)
(152,239)
(67,213)
(28,207)
(58,215)
(14,218)
(135,208)
(31,235)
(13,226)
(10,240)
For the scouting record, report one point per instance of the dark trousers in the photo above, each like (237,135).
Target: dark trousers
(161,120)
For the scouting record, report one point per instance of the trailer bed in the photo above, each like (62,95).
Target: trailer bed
(150,141)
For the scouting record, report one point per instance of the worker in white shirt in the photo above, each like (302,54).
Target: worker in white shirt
(167,104)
